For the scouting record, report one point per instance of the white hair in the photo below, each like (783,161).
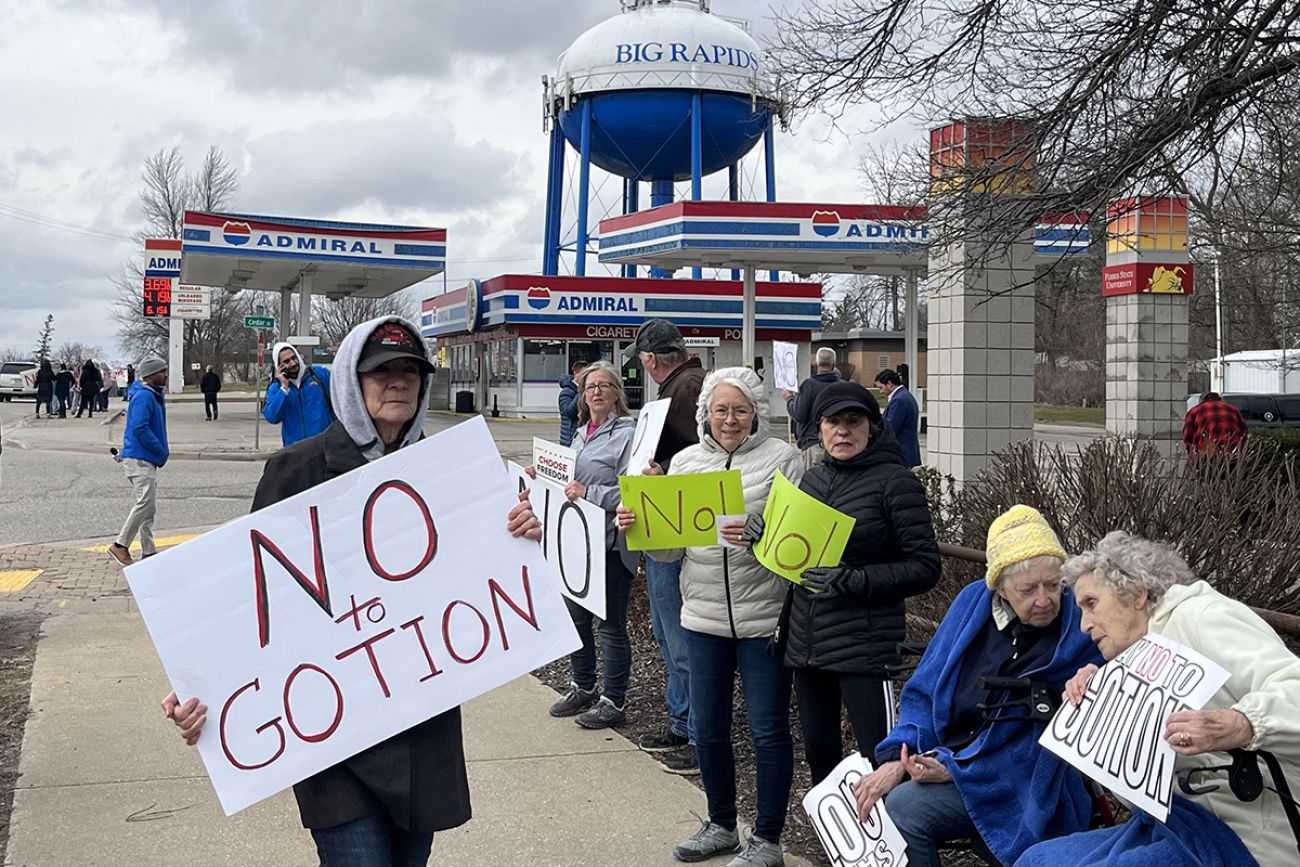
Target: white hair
(1126,564)
(826,357)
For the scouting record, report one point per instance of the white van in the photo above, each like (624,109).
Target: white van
(18,379)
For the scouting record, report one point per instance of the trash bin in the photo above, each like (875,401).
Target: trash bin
(465,401)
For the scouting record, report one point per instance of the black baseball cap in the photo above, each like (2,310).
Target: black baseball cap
(839,396)
(656,335)
(389,342)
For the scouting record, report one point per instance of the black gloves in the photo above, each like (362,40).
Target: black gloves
(753,529)
(834,580)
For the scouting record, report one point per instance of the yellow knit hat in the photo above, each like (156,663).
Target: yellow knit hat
(1019,533)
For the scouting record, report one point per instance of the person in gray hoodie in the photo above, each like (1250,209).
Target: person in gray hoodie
(384,804)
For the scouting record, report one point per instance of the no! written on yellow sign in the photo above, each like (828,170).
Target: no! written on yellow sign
(800,532)
(679,511)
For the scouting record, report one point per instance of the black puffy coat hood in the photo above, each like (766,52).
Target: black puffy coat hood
(892,540)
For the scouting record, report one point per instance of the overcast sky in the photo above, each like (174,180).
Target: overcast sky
(404,111)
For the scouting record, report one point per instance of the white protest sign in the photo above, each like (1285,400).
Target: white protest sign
(1115,736)
(573,539)
(785,365)
(339,617)
(848,842)
(645,439)
(554,462)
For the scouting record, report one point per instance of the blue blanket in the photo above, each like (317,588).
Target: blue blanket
(1193,837)
(1015,792)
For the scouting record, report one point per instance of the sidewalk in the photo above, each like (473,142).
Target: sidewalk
(106,780)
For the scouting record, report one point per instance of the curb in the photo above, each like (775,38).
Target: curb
(446,413)
(182,455)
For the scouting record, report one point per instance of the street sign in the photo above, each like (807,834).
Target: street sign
(265,322)
(192,302)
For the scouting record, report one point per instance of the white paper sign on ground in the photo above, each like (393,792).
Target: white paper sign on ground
(573,539)
(1115,736)
(554,462)
(848,842)
(645,439)
(785,365)
(341,616)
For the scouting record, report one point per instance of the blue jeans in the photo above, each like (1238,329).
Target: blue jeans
(765,684)
(663,584)
(928,814)
(375,841)
(614,644)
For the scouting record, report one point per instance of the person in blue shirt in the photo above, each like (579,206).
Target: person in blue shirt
(144,452)
(298,399)
(902,415)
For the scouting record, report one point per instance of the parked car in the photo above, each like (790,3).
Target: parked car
(1262,410)
(18,379)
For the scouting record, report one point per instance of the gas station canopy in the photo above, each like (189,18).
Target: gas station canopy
(803,238)
(242,251)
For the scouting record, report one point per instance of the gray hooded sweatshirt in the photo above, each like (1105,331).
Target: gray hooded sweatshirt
(345,390)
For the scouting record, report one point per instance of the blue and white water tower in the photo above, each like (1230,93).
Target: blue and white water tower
(664,91)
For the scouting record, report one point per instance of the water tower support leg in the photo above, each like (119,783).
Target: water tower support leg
(769,164)
(733,192)
(584,190)
(631,204)
(749,311)
(554,203)
(697,154)
(661,193)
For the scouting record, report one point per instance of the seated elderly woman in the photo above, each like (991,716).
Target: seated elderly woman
(1128,587)
(974,778)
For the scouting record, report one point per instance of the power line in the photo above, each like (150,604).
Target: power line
(23,215)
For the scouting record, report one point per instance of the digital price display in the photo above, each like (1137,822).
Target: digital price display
(158,296)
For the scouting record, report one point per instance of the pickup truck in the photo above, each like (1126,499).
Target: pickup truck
(18,379)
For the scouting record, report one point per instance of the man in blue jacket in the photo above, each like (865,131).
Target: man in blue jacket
(902,415)
(144,452)
(298,399)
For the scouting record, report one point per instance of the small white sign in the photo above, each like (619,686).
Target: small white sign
(1115,736)
(334,619)
(573,540)
(554,463)
(701,342)
(645,439)
(849,842)
(785,365)
(724,519)
(192,302)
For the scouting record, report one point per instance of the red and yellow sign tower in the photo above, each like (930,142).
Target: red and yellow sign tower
(1146,247)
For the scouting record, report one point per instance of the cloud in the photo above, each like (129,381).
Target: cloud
(308,45)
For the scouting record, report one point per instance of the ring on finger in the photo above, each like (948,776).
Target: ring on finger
(1183,739)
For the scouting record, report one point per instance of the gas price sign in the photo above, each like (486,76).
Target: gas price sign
(158,296)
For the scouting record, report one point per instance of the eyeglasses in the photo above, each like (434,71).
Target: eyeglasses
(740,413)
(599,386)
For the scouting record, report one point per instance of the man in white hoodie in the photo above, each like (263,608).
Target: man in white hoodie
(298,399)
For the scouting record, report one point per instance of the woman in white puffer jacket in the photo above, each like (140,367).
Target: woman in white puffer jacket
(730,607)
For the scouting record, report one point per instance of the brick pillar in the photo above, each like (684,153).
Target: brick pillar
(981,306)
(1147,281)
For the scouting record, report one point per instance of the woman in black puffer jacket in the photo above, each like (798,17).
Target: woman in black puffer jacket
(845,621)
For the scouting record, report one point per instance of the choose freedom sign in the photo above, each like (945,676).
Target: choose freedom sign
(337,618)
(1116,734)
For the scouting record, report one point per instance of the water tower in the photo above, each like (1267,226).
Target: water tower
(664,91)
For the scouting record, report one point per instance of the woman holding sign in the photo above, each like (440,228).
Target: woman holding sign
(730,607)
(1129,587)
(845,621)
(382,805)
(603,440)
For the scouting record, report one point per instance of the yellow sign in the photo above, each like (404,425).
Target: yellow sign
(800,532)
(679,511)
(1168,280)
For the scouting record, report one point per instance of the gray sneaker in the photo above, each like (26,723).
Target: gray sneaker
(759,853)
(602,715)
(710,840)
(574,702)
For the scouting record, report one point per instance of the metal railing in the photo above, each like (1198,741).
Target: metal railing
(1287,625)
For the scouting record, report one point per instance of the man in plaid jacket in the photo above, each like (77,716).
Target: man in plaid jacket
(1213,426)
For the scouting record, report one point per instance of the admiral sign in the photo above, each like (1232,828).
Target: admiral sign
(314,240)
